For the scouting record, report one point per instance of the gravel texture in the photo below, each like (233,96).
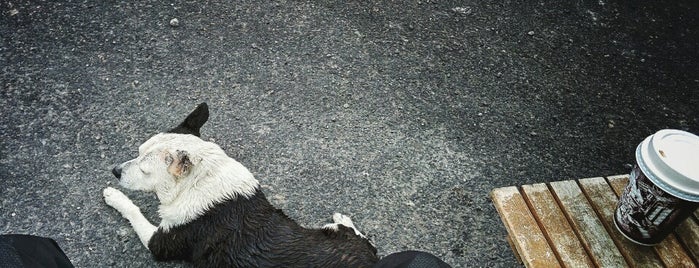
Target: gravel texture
(401,114)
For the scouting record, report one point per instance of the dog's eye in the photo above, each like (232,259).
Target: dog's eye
(143,170)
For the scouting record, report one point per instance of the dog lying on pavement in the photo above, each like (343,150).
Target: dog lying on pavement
(214,214)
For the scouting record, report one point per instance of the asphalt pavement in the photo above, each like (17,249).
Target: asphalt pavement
(402,114)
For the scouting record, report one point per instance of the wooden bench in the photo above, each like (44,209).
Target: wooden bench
(570,224)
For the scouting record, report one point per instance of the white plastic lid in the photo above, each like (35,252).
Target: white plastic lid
(672,158)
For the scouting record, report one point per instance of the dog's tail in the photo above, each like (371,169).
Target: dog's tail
(194,121)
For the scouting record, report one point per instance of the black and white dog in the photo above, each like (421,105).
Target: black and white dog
(214,213)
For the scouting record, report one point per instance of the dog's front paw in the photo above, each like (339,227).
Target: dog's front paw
(118,200)
(114,197)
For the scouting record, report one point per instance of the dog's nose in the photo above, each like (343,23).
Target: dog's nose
(117,172)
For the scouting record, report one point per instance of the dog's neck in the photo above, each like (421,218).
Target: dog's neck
(189,199)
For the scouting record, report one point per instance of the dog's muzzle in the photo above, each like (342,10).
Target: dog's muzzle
(117,171)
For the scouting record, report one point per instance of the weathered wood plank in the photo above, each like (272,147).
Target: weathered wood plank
(670,250)
(604,201)
(514,249)
(555,225)
(593,235)
(618,183)
(688,233)
(523,229)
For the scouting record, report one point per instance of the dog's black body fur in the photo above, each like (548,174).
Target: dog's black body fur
(250,232)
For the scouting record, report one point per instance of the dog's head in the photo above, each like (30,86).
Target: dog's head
(143,173)
(163,161)
(185,167)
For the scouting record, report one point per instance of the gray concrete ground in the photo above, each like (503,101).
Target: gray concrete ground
(402,114)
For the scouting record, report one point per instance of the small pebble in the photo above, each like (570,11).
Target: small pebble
(174,22)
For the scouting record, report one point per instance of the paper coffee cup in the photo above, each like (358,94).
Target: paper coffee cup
(663,187)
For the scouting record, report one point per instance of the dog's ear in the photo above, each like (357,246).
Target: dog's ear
(194,121)
(180,164)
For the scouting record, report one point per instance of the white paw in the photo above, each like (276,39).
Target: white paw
(118,200)
(346,221)
(114,197)
(342,219)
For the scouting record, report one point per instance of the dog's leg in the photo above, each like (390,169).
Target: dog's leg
(116,199)
(344,220)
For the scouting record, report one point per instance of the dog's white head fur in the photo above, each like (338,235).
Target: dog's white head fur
(187,174)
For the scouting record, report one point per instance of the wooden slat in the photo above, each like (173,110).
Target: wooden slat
(618,183)
(556,227)
(591,231)
(604,201)
(525,234)
(688,233)
(514,249)
(670,250)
